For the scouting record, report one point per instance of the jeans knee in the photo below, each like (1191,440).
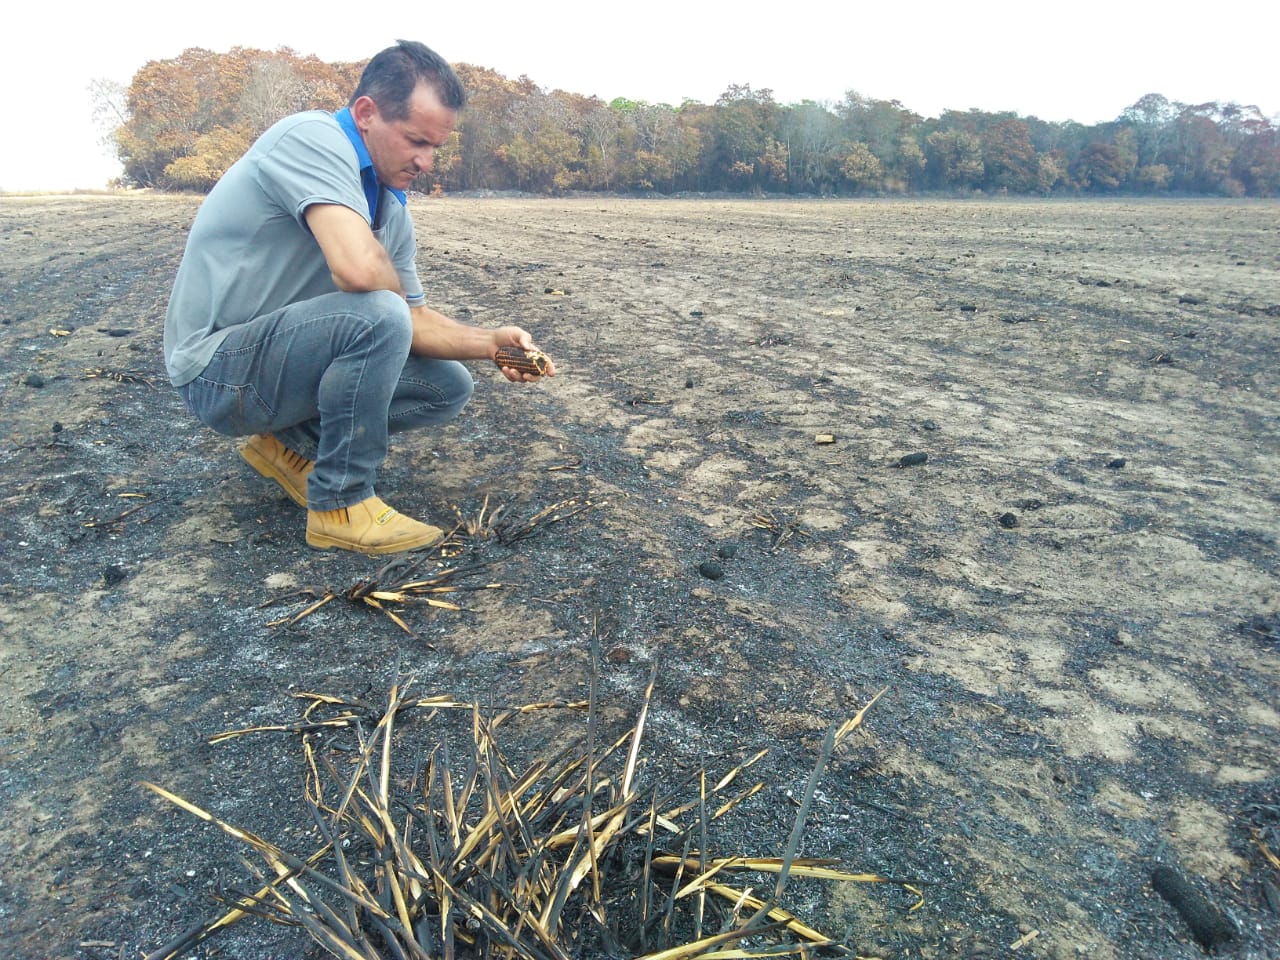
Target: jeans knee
(462,388)
(452,385)
(389,315)
(430,392)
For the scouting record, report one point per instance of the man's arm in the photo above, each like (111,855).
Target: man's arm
(436,335)
(359,264)
(357,261)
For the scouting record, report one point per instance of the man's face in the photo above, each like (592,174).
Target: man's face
(402,149)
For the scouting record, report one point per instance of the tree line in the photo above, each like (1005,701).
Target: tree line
(182,122)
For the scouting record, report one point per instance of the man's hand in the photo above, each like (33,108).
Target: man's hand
(436,335)
(516,337)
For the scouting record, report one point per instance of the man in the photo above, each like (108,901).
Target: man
(297,317)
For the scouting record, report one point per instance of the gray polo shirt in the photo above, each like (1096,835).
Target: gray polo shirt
(249,251)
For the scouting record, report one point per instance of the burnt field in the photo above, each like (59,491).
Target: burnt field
(1012,462)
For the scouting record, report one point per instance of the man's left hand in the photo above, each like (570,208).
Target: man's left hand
(516,337)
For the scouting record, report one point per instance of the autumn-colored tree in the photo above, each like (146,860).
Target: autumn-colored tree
(1050,172)
(1256,161)
(1153,178)
(170,103)
(184,115)
(861,167)
(1100,168)
(211,156)
(772,165)
(274,88)
(445,170)
(1255,149)
(1008,159)
(182,122)
(656,145)
(1199,152)
(483,126)
(695,128)
(1125,140)
(542,153)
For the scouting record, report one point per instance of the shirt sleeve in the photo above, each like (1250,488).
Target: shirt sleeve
(401,243)
(310,162)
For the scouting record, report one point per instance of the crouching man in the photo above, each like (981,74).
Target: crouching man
(297,318)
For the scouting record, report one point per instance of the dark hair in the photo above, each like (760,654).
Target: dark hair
(390,78)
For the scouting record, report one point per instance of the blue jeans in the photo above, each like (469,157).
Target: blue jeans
(330,378)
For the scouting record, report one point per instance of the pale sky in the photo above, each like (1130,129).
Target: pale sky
(1084,60)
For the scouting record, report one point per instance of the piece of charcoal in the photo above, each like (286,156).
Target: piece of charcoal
(1209,925)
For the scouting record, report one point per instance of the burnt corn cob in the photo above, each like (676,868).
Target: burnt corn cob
(526,361)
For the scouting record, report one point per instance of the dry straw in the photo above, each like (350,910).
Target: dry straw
(467,857)
(422,578)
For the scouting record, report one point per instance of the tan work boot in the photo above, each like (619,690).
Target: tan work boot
(275,461)
(369,526)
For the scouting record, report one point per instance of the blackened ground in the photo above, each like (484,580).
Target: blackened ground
(1072,600)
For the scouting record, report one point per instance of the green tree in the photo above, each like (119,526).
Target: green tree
(1125,141)
(954,159)
(911,160)
(660,144)
(811,135)
(1150,118)
(742,128)
(884,126)
(601,128)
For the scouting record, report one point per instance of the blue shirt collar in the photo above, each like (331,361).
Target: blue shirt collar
(368,176)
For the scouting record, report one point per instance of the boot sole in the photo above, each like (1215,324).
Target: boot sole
(267,469)
(320,541)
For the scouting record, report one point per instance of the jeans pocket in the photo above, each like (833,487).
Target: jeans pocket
(233,410)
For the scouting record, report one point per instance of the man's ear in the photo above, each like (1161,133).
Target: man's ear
(363,111)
